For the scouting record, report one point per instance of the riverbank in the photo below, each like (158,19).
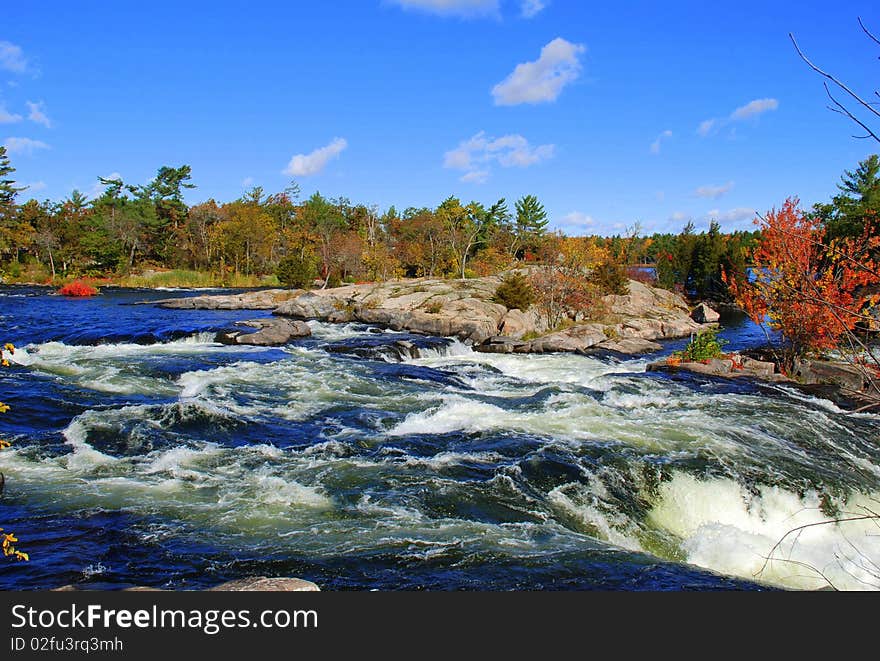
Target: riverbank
(151,279)
(465,309)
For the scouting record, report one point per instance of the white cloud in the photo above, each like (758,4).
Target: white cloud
(7,117)
(12,58)
(475,177)
(305,165)
(754,108)
(541,81)
(705,127)
(576,221)
(679,216)
(462,8)
(713,192)
(247,182)
(655,146)
(731,217)
(23,145)
(37,113)
(477,154)
(749,110)
(531,8)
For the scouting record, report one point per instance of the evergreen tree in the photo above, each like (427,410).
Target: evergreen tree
(859,197)
(8,190)
(530,224)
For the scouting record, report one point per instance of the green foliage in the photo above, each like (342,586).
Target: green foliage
(704,346)
(295,271)
(529,226)
(859,198)
(7,188)
(610,278)
(515,292)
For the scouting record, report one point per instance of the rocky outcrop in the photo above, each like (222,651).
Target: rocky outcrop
(273,332)
(263,299)
(465,309)
(448,308)
(703,314)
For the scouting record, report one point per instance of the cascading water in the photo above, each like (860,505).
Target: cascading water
(167,459)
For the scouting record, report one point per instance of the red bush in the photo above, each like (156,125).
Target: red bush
(77,288)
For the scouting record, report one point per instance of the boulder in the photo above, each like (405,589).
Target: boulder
(713,367)
(500,344)
(273,332)
(835,373)
(703,314)
(758,368)
(263,584)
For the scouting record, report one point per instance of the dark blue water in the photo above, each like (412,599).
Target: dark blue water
(144,453)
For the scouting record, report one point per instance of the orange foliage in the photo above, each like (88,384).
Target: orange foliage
(811,291)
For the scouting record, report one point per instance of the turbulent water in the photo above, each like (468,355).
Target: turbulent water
(145,453)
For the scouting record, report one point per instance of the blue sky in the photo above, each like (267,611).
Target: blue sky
(610,113)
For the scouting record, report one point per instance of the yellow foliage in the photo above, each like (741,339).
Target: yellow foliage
(7,539)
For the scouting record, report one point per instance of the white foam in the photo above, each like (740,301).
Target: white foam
(725,528)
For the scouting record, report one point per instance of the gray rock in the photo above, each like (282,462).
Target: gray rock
(500,344)
(264,299)
(703,314)
(840,374)
(273,332)
(758,368)
(313,305)
(630,347)
(407,349)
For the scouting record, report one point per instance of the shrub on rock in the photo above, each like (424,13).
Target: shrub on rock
(515,292)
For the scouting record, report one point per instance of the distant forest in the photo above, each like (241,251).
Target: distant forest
(271,238)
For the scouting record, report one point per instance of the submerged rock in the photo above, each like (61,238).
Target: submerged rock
(249,584)
(273,332)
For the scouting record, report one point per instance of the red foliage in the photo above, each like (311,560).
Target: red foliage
(78,289)
(811,291)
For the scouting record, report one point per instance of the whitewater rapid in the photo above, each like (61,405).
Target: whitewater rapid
(457,456)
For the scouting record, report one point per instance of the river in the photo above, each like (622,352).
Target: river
(146,454)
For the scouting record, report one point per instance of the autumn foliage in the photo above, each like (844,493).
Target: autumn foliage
(77,289)
(810,290)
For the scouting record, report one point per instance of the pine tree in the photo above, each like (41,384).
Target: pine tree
(8,190)
(530,224)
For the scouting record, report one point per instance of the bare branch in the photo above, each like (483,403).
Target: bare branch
(867,32)
(843,111)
